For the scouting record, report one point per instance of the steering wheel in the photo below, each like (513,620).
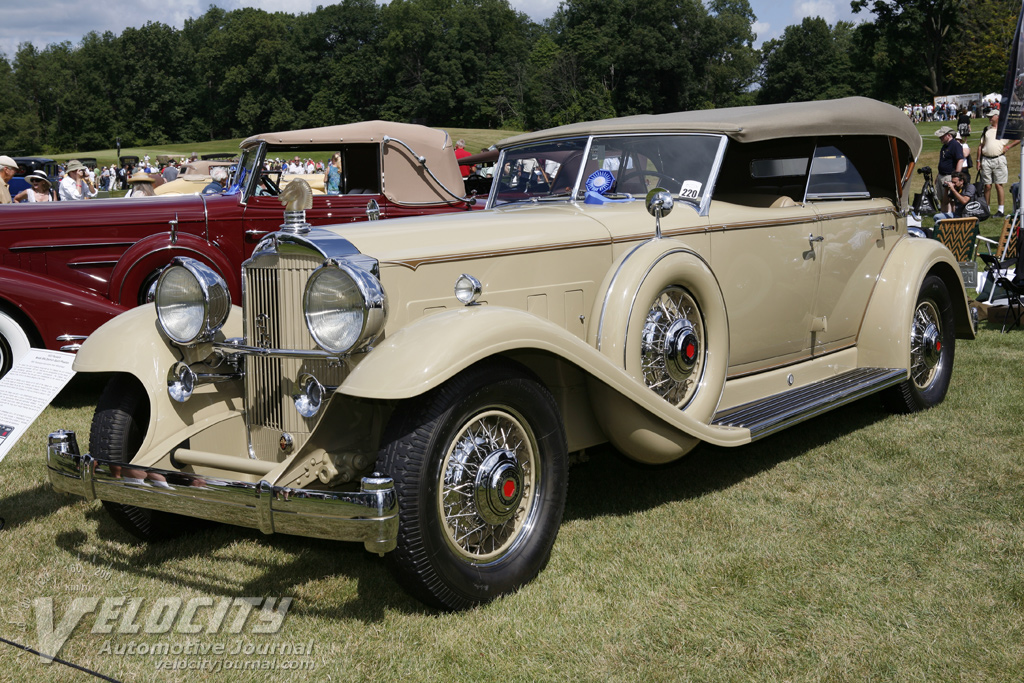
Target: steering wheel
(663,179)
(267,187)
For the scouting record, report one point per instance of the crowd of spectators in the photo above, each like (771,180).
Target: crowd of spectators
(947,111)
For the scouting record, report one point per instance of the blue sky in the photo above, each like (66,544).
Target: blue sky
(52,21)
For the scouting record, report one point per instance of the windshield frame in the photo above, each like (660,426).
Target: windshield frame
(251,177)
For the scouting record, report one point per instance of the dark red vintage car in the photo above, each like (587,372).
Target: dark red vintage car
(68,267)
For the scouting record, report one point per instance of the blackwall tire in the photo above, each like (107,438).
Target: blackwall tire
(932,349)
(118,429)
(480,468)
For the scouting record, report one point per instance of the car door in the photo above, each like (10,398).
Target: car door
(767,260)
(858,222)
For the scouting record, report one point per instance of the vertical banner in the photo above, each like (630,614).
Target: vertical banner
(1011,110)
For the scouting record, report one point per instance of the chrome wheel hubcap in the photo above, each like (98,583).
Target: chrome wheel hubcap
(672,350)
(488,485)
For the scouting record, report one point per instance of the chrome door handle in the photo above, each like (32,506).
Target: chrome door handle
(811,238)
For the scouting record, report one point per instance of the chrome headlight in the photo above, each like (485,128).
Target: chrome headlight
(345,307)
(192,301)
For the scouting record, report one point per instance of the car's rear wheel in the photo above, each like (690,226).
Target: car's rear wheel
(480,469)
(118,429)
(14,343)
(932,347)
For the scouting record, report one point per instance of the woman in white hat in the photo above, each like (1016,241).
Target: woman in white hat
(142,185)
(38,190)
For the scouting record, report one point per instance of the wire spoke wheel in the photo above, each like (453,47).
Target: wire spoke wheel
(673,346)
(487,486)
(480,470)
(932,349)
(925,344)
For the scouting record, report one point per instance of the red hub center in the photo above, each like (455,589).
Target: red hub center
(508,489)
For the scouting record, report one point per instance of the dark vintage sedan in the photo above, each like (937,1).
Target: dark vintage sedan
(68,267)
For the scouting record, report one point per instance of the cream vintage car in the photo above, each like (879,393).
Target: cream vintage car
(419,385)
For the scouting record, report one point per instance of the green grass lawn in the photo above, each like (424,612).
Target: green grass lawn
(858,546)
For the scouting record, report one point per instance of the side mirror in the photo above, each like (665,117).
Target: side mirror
(659,203)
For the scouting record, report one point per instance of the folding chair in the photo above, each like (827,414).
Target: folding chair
(960,235)
(998,264)
(1013,303)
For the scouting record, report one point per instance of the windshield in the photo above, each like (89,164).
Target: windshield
(242,172)
(620,166)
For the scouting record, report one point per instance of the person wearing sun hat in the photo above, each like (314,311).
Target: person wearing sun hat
(142,185)
(76,184)
(38,190)
(7,168)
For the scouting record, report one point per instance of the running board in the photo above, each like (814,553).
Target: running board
(777,412)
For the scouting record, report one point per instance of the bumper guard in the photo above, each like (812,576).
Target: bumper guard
(369,515)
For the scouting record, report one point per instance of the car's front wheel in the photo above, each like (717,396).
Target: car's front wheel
(480,469)
(13,342)
(118,429)
(932,347)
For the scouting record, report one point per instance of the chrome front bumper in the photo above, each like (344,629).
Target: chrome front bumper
(369,515)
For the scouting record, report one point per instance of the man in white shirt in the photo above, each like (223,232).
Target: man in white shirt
(992,160)
(76,184)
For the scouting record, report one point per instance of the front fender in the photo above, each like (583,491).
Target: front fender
(884,339)
(433,349)
(154,252)
(132,343)
(53,307)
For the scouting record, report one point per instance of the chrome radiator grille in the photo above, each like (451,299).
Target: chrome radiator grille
(274,320)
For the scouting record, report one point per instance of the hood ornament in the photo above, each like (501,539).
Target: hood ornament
(296,197)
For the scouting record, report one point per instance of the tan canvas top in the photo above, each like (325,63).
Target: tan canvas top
(848,116)
(404,178)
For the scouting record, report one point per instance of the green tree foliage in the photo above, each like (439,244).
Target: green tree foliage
(810,62)
(916,35)
(476,63)
(981,46)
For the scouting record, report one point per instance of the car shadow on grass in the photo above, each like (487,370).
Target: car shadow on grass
(611,484)
(274,565)
(32,504)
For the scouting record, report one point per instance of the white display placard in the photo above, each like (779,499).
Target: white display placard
(27,389)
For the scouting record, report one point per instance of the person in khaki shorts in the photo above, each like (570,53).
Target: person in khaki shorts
(992,160)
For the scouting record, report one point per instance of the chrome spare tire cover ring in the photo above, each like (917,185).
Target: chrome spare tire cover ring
(925,345)
(673,347)
(488,488)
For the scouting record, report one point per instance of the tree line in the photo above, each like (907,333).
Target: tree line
(479,64)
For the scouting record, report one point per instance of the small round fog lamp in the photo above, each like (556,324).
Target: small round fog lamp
(467,289)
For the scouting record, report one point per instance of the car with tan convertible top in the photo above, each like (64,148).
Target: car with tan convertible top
(418,386)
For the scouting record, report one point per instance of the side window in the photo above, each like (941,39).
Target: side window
(834,176)
(360,169)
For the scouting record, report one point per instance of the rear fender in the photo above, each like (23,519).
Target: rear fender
(884,339)
(152,253)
